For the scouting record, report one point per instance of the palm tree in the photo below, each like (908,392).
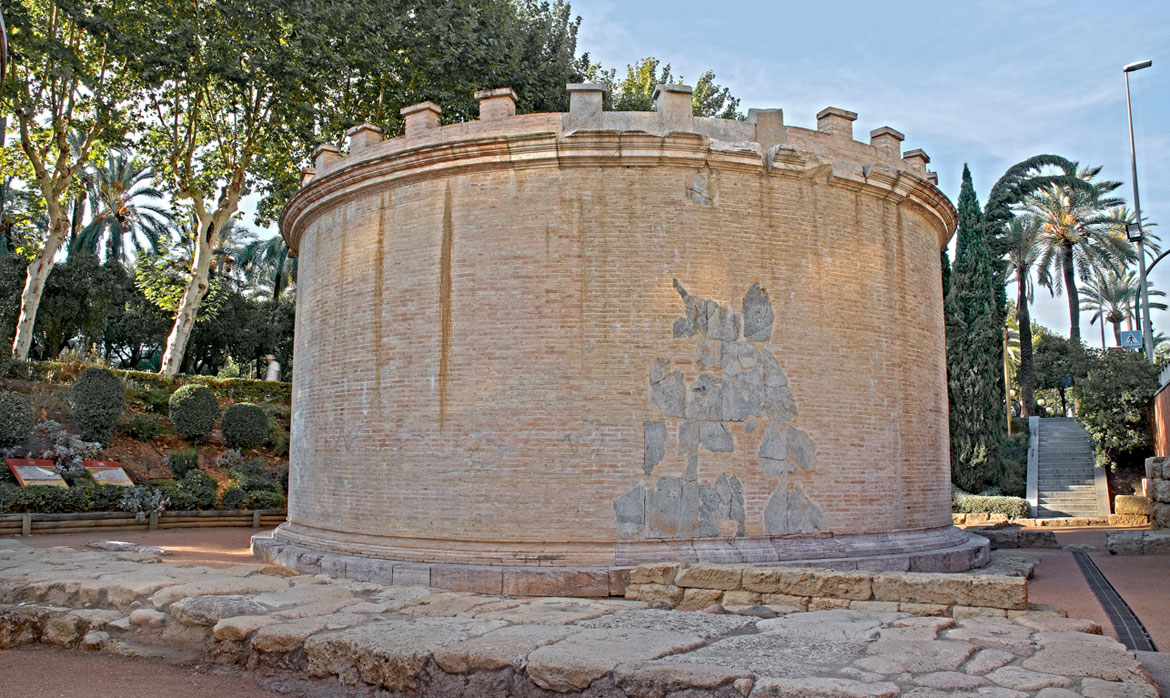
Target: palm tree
(1113,295)
(1076,236)
(267,262)
(122,208)
(1022,241)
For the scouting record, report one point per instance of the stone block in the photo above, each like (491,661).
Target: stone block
(412,574)
(875,606)
(798,602)
(796,581)
(619,579)
(709,576)
(819,688)
(824,603)
(1028,538)
(1160,515)
(1156,543)
(1128,520)
(655,573)
(919,587)
(741,598)
(698,599)
(1154,468)
(558,581)
(1159,490)
(998,592)
(479,580)
(237,629)
(1124,542)
(1131,504)
(925,609)
(958,612)
(842,585)
(668,594)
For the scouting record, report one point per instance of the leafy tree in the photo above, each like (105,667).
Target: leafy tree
(974,350)
(1023,249)
(69,93)
(1114,403)
(266,264)
(80,297)
(636,91)
(1056,357)
(138,332)
(123,208)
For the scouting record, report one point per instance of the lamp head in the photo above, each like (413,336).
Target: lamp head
(1137,66)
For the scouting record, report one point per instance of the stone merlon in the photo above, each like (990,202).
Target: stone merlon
(836,122)
(916,159)
(421,117)
(887,140)
(363,137)
(496,104)
(325,155)
(673,104)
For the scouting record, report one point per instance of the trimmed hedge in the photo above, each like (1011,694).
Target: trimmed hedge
(1012,507)
(235,389)
(16,419)
(193,412)
(39,499)
(96,400)
(245,426)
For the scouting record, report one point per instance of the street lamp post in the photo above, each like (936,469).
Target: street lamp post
(1147,328)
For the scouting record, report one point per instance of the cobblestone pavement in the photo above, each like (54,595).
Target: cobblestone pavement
(318,636)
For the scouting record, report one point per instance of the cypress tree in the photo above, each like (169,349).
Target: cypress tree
(945,262)
(974,324)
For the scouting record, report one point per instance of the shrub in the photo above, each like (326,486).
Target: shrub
(142,501)
(56,500)
(151,398)
(1012,507)
(1013,476)
(265,499)
(245,426)
(193,410)
(233,498)
(96,399)
(279,443)
(141,427)
(254,475)
(1114,406)
(196,490)
(16,419)
(182,462)
(229,459)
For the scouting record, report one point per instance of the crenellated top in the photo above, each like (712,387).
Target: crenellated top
(588,135)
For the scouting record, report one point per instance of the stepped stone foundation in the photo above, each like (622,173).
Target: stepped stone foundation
(536,350)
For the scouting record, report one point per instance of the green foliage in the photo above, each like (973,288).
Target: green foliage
(233,498)
(974,326)
(1056,356)
(182,462)
(1114,406)
(96,399)
(635,92)
(142,427)
(1013,475)
(237,389)
(193,412)
(162,279)
(1012,507)
(81,296)
(150,398)
(194,491)
(255,475)
(58,500)
(16,419)
(245,426)
(265,499)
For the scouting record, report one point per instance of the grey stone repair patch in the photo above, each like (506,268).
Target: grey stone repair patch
(741,383)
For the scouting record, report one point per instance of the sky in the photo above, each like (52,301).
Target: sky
(977,82)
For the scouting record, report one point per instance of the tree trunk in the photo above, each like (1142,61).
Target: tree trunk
(34,284)
(1116,332)
(1023,318)
(1070,290)
(196,289)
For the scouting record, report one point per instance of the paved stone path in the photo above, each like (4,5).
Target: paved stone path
(337,637)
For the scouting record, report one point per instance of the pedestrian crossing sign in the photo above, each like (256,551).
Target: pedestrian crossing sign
(1131,339)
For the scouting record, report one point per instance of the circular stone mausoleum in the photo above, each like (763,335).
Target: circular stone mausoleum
(535,350)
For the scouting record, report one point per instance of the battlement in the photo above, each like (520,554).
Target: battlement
(763,130)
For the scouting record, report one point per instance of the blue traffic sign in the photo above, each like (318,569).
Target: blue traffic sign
(1131,339)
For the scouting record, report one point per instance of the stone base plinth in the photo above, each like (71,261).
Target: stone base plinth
(937,550)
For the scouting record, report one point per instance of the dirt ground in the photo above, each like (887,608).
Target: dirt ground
(40,671)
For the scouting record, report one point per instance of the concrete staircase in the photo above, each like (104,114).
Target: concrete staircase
(1062,480)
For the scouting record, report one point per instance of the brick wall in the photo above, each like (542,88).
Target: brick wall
(480,307)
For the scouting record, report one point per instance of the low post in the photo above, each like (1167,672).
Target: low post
(26,524)
(152,524)
(256,519)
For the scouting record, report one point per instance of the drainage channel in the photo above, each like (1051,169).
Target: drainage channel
(1130,631)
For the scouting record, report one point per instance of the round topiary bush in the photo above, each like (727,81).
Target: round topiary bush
(16,419)
(193,410)
(96,399)
(245,426)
